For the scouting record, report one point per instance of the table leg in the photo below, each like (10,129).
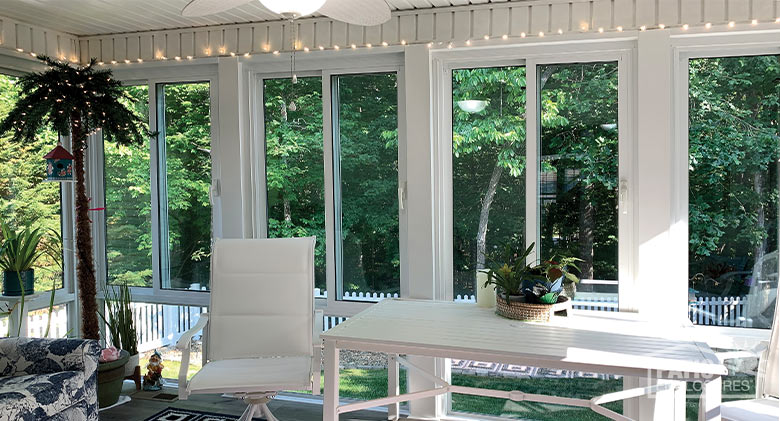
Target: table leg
(331,402)
(393,388)
(709,404)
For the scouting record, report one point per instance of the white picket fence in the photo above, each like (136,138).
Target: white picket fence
(718,311)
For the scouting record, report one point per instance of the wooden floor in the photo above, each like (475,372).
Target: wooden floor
(140,409)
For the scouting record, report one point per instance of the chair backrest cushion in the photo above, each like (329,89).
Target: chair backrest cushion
(262,298)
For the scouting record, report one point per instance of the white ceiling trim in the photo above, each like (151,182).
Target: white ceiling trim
(438,25)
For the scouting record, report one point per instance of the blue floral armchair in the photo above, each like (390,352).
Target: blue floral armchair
(48,379)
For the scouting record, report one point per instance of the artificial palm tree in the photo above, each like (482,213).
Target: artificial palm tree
(78,101)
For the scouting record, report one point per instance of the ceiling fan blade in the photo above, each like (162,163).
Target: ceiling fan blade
(197,8)
(357,12)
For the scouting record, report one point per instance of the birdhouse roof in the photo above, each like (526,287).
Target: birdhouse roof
(58,153)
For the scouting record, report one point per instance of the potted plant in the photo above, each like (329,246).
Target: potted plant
(562,267)
(18,254)
(121,328)
(526,290)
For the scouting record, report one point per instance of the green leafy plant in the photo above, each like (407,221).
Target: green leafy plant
(537,282)
(119,318)
(20,248)
(509,275)
(562,266)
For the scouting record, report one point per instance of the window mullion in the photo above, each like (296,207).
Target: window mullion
(330,182)
(532,156)
(157,177)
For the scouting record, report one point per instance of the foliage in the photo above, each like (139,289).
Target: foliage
(25,200)
(20,249)
(119,321)
(188,176)
(562,266)
(512,273)
(733,155)
(188,179)
(367,169)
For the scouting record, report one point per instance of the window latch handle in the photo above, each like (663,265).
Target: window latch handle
(623,196)
(401,195)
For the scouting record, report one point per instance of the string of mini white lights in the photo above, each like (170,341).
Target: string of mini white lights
(297,46)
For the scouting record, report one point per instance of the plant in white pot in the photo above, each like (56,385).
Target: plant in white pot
(122,336)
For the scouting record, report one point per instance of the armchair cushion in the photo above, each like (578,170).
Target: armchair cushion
(767,409)
(39,396)
(253,375)
(48,379)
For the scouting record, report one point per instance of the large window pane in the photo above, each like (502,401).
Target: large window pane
(187,147)
(578,179)
(25,199)
(488,168)
(733,190)
(294,163)
(366,179)
(129,204)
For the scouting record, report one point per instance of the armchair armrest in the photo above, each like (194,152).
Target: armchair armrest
(183,345)
(316,357)
(44,356)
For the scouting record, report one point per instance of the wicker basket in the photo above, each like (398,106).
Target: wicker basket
(520,310)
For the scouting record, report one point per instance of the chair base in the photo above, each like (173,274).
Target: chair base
(257,405)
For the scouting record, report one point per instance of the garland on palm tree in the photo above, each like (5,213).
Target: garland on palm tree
(76,100)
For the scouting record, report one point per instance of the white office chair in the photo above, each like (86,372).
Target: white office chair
(263,332)
(766,406)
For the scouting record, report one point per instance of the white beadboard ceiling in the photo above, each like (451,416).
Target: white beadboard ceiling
(93,17)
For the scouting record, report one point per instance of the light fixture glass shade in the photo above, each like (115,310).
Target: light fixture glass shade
(293,8)
(472,105)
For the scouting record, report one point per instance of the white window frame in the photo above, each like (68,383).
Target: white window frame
(684,48)
(325,66)
(162,76)
(530,56)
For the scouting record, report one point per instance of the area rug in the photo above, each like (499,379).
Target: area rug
(174,414)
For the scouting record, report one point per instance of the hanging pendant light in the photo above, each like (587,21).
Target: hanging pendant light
(293,9)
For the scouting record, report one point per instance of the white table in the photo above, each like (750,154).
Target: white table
(601,342)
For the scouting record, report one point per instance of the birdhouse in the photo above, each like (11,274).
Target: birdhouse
(59,165)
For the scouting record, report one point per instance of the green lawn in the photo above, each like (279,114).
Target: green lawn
(370,384)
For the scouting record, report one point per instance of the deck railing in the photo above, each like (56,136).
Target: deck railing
(161,325)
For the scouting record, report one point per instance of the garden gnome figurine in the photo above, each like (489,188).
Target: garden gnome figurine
(153,377)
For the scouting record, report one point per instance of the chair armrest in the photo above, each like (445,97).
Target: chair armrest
(748,353)
(184,341)
(183,345)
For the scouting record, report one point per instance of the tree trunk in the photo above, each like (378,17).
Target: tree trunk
(484,215)
(587,225)
(760,250)
(85,266)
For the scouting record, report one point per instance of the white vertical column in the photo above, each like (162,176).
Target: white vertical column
(228,183)
(656,275)
(418,261)
(660,274)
